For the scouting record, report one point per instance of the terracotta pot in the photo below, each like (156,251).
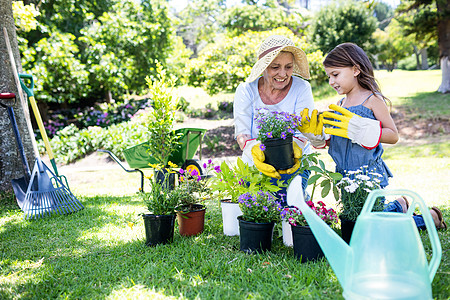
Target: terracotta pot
(230,212)
(192,222)
(279,153)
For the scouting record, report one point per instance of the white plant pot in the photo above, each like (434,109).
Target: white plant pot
(230,212)
(287,233)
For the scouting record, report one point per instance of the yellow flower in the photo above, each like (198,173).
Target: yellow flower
(172,165)
(130,224)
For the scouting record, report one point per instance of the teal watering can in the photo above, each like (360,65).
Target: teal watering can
(385,258)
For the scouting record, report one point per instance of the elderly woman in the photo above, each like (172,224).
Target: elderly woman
(276,90)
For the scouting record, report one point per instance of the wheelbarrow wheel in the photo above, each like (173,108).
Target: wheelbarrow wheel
(191,165)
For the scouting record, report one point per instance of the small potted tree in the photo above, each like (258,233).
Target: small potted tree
(159,223)
(355,186)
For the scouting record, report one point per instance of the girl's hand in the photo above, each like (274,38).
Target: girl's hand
(363,131)
(312,128)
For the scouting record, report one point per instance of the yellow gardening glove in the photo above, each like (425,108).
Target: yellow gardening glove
(311,124)
(258,160)
(363,131)
(312,128)
(266,169)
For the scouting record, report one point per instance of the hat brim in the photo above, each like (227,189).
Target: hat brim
(301,67)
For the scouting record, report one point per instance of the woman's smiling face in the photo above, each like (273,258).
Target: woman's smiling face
(278,74)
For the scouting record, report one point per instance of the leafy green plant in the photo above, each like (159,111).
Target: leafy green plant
(161,200)
(327,180)
(162,139)
(231,182)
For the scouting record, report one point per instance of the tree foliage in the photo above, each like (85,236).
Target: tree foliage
(221,66)
(345,22)
(241,18)
(390,48)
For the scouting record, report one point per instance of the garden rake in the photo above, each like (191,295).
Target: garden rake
(53,194)
(43,195)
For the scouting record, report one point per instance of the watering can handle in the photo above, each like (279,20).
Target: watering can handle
(431,228)
(28,90)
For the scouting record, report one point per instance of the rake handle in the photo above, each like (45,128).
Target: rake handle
(37,115)
(19,89)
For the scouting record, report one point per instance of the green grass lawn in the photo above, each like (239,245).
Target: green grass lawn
(94,254)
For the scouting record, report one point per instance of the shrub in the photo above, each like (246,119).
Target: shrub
(222,66)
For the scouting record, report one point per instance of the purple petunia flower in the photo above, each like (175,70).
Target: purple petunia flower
(217,169)
(283,135)
(269,134)
(262,147)
(205,165)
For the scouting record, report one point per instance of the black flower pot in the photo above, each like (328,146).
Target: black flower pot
(158,229)
(306,247)
(255,237)
(347,229)
(279,153)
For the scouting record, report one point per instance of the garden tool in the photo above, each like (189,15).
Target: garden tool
(362,131)
(385,258)
(20,184)
(52,195)
(30,94)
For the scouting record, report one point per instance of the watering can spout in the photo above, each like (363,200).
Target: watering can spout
(336,250)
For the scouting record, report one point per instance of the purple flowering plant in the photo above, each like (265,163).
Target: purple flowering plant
(296,218)
(193,187)
(260,207)
(273,124)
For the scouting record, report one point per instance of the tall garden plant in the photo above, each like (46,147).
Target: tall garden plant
(162,139)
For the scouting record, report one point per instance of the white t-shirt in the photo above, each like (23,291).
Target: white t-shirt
(247,101)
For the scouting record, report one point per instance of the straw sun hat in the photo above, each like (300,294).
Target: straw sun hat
(270,49)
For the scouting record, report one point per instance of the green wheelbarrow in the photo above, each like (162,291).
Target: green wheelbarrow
(138,156)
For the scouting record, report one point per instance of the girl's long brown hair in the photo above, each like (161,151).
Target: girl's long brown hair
(351,55)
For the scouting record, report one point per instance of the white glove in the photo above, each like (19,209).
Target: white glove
(362,131)
(247,151)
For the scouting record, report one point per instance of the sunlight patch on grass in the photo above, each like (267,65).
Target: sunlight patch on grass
(138,292)
(436,150)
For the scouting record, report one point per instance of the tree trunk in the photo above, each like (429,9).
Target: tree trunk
(424,58)
(416,53)
(444,45)
(445,66)
(10,163)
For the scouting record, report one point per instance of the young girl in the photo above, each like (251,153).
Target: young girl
(361,121)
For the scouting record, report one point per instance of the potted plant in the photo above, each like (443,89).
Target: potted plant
(192,190)
(260,211)
(159,223)
(320,178)
(355,186)
(305,244)
(232,181)
(276,130)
